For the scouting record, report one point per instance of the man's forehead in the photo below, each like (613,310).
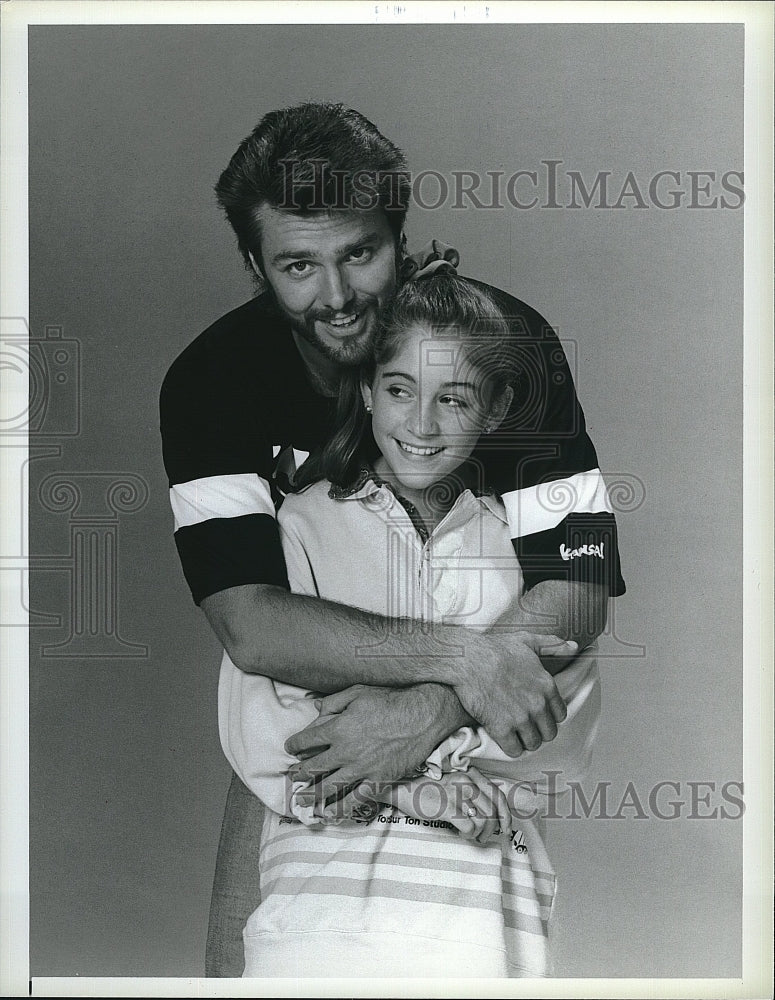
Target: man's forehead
(285,231)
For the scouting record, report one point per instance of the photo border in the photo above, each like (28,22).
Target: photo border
(16,16)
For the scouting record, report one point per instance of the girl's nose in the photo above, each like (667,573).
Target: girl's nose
(423,422)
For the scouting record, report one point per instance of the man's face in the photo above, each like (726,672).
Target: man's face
(332,276)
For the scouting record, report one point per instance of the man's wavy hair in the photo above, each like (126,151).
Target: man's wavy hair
(308,159)
(448,305)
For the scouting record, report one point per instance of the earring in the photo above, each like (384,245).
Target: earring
(368,409)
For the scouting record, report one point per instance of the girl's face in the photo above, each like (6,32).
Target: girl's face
(429,407)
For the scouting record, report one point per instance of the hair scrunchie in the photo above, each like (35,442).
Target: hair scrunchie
(434,257)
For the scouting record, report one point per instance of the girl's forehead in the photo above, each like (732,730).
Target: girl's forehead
(429,346)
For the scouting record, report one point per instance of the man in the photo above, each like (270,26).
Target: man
(317,198)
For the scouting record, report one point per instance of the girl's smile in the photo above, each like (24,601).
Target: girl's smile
(416,450)
(429,405)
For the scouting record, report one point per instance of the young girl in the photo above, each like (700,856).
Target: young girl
(451,877)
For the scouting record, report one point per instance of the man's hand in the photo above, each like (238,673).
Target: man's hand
(509,692)
(373,734)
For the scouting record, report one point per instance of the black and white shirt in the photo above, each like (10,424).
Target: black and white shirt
(239,415)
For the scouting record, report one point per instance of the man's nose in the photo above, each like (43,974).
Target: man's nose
(336,292)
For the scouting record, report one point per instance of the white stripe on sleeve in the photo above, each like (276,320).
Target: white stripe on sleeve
(220,496)
(541,507)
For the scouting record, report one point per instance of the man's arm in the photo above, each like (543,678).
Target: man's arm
(310,642)
(571,610)
(333,646)
(376,734)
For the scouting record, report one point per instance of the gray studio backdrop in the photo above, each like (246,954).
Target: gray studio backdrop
(129,128)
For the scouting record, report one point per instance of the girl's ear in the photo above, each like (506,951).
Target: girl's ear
(499,409)
(366,394)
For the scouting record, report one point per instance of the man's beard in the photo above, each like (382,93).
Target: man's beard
(349,352)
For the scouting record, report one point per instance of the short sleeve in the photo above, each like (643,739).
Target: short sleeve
(218,460)
(543,464)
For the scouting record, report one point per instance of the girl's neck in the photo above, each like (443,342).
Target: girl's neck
(432,503)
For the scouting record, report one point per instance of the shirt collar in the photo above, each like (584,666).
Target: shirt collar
(365,483)
(368,482)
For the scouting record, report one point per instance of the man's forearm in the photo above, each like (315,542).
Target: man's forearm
(499,681)
(576,611)
(317,644)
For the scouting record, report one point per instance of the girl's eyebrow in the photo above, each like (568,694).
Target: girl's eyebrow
(462,385)
(447,385)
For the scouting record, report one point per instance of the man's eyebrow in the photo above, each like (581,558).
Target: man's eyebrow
(312,254)
(292,255)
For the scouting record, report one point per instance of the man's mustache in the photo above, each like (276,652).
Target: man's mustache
(357,305)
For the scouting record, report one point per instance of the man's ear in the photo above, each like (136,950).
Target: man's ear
(256,269)
(366,394)
(499,408)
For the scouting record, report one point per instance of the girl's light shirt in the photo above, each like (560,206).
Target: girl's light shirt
(363,550)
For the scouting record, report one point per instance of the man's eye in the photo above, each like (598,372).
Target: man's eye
(298,267)
(360,254)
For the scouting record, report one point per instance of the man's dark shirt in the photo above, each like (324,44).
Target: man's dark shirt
(239,415)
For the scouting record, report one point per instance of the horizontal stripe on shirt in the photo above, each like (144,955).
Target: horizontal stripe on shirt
(525,898)
(559,553)
(220,496)
(541,507)
(359,888)
(225,552)
(396,873)
(414,843)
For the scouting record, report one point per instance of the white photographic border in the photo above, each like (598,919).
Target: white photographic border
(15,18)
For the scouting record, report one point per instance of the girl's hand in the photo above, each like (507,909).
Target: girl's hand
(473,804)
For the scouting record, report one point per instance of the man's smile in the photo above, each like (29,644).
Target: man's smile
(346,324)
(344,321)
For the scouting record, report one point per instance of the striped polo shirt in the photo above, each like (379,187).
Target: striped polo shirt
(399,896)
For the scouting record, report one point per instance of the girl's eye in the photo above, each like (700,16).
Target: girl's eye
(398,391)
(455,402)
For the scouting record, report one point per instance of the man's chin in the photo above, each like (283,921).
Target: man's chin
(347,350)
(353,353)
